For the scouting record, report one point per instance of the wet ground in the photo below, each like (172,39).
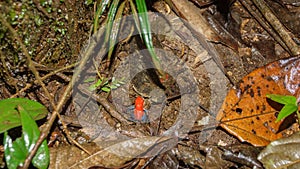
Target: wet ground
(55,32)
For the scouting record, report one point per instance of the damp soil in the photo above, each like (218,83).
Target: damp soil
(55,32)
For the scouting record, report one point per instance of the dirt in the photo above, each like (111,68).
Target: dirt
(55,33)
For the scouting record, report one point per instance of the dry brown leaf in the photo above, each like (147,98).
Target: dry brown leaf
(248,114)
(113,156)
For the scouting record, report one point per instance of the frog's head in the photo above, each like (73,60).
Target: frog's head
(139,103)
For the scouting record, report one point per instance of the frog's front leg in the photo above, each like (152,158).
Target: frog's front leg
(137,116)
(140,116)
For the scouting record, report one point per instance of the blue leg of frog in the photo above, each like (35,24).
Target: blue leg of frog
(130,111)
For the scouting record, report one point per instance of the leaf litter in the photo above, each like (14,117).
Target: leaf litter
(94,147)
(248,114)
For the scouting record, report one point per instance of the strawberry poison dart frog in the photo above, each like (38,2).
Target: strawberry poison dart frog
(139,113)
(139,108)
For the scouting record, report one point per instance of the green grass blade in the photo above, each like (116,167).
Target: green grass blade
(146,32)
(115,30)
(135,17)
(100,9)
(110,19)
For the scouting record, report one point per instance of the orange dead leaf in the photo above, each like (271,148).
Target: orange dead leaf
(246,112)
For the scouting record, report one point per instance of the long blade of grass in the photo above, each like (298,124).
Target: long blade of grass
(110,19)
(115,30)
(135,17)
(100,9)
(146,33)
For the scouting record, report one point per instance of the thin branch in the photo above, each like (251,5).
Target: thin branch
(106,104)
(28,58)
(260,19)
(282,35)
(36,74)
(66,95)
(44,78)
(57,108)
(278,26)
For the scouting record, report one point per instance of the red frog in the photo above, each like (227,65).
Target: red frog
(139,113)
(139,108)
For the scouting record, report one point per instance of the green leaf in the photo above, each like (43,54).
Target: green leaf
(30,135)
(17,151)
(92,87)
(114,86)
(115,30)
(105,82)
(14,155)
(88,2)
(100,9)
(287,110)
(96,85)
(283,99)
(10,117)
(91,79)
(106,89)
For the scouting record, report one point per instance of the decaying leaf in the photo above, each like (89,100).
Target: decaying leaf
(282,154)
(165,160)
(190,156)
(248,114)
(214,158)
(65,156)
(242,154)
(112,156)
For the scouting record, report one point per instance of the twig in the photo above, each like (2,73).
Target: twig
(39,7)
(260,19)
(273,21)
(36,74)
(28,58)
(43,78)
(57,108)
(106,104)
(277,25)
(59,116)
(153,157)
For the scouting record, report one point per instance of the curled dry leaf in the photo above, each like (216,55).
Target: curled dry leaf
(65,156)
(248,114)
(190,156)
(214,158)
(282,153)
(112,156)
(242,154)
(165,160)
